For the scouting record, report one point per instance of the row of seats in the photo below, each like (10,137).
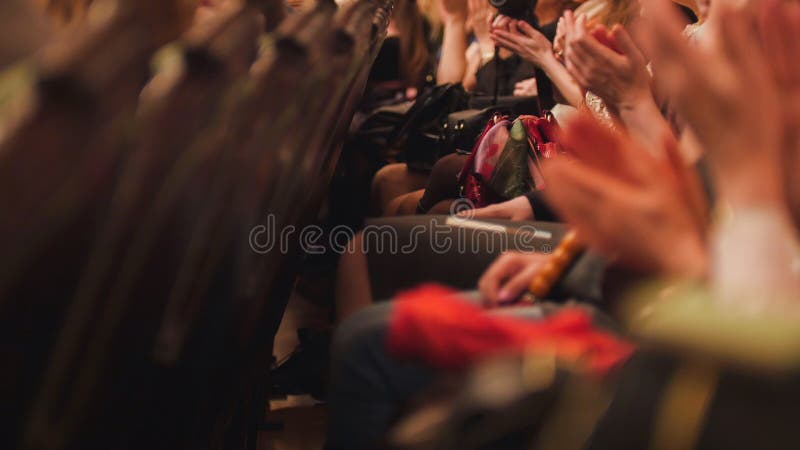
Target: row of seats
(134,314)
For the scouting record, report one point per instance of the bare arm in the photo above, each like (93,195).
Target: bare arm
(453,62)
(562,80)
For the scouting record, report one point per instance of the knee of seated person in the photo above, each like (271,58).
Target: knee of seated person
(388,174)
(448,165)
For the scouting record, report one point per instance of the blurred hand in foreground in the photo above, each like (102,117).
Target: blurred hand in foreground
(729,96)
(626,202)
(608,63)
(509,275)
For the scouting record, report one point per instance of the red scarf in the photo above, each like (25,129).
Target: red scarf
(432,324)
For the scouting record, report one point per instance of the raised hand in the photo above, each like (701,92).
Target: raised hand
(560,40)
(608,63)
(727,93)
(480,16)
(521,38)
(625,202)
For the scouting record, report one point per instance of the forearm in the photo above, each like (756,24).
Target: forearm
(750,185)
(644,121)
(755,252)
(474,58)
(541,210)
(453,63)
(470,81)
(562,80)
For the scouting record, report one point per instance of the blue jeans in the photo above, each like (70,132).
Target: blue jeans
(368,386)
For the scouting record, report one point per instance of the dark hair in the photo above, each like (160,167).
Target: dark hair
(414,52)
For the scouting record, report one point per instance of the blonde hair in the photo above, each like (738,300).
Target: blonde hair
(609,12)
(430,11)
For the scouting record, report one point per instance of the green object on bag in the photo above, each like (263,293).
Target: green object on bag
(511,176)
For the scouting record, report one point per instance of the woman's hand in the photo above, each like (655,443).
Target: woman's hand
(509,275)
(560,41)
(726,92)
(625,202)
(501,22)
(481,14)
(609,64)
(524,40)
(526,87)
(518,208)
(531,45)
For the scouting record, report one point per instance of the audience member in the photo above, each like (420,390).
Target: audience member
(630,193)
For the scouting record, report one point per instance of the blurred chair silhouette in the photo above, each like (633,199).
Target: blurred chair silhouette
(70,187)
(135,311)
(291,155)
(57,171)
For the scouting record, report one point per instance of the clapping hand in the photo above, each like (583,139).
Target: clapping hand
(521,38)
(728,95)
(608,63)
(648,211)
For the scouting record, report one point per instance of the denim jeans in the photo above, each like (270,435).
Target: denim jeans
(369,386)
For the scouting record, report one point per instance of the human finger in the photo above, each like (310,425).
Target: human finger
(603,149)
(501,269)
(513,287)
(592,203)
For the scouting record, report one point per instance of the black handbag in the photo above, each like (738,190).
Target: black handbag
(458,131)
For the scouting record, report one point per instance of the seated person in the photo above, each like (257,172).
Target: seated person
(572,80)
(404,60)
(641,205)
(475,68)
(625,86)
